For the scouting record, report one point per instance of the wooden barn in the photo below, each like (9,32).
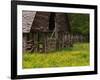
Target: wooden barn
(45,31)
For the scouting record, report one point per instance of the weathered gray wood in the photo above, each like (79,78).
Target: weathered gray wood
(41,22)
(27,19)
(45,41)
(24,42)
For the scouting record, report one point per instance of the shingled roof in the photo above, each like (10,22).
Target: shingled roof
(27,20)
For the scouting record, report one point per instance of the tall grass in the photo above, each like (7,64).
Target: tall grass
(78,55)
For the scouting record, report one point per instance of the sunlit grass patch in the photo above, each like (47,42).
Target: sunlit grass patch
(78,55)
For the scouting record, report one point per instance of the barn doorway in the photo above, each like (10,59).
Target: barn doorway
(52,21)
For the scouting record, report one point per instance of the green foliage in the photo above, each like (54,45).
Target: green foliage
(78,55)
(79,23)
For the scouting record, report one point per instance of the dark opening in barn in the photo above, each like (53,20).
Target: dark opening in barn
(52,22)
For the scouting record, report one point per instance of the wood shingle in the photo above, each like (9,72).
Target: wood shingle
(27,20)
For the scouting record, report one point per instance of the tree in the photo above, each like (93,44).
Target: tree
(79,23)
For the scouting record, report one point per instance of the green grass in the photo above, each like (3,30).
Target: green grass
(78,55)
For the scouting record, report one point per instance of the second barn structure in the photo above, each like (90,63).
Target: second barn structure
(45,31)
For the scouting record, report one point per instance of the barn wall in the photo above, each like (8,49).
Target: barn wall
(24,42)
(41,22)
(61,22)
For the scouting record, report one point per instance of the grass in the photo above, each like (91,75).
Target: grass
(78,55)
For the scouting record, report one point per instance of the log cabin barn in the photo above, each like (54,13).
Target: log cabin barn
(45,31)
